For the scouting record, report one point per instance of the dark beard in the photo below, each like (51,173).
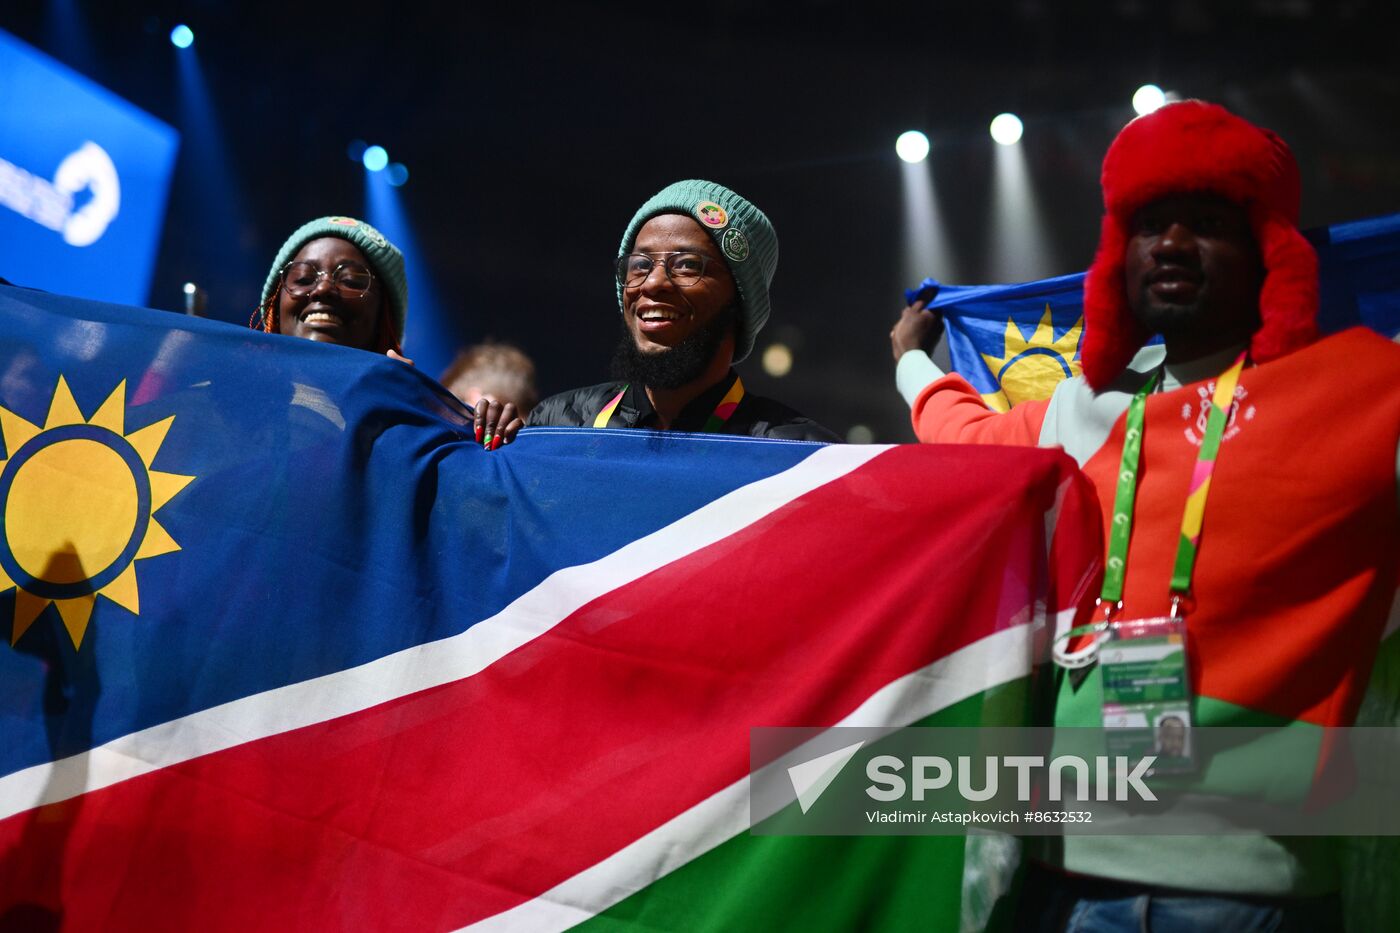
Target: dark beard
(1194,328)
(1169,320)
(676,367)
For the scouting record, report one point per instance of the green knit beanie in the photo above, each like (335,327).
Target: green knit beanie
(385,261)
(743,235)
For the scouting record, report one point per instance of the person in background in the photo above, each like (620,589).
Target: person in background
(489,374)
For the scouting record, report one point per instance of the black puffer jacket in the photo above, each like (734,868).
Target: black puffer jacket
(756,416)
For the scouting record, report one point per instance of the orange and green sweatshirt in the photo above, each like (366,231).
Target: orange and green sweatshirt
(1296,572)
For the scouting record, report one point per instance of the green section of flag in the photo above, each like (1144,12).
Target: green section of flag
(868,883)
(808,883)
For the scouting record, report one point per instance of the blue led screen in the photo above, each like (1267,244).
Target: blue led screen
(84,177)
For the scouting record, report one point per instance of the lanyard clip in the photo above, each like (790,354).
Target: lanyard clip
(1109,608)
(1181,604)
(1088,652)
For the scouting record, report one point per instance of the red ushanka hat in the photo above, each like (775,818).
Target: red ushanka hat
(1196,147)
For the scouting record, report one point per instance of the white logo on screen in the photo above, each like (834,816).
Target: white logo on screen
(51,203)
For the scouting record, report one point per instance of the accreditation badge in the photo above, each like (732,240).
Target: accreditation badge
(1147,692)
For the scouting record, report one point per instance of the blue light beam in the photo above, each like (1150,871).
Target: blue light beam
(211,199)
(430,338)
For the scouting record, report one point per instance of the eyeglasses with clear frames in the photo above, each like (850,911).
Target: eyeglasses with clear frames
(682,268)
(300,279)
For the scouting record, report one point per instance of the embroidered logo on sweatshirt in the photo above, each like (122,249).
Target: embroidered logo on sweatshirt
(1197,414)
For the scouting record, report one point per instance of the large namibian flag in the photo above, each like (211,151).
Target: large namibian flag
(284,649)
(1015,343)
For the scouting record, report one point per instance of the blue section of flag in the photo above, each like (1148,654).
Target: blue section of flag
(1360,274)
(331,486)
(1359,265)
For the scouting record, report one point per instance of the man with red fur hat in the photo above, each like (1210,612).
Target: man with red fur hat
(1290,562)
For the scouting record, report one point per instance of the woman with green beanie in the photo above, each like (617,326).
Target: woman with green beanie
(337,280)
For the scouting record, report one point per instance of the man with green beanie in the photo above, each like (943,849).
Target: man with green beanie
(693,273)
(337,280)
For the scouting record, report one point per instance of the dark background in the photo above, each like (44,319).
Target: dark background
(532,131)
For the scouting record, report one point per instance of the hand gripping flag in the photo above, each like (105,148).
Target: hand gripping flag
(284,649)
(1015,343)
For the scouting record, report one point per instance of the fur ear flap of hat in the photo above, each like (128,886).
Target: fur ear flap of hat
(1111,334)
(1193,147)
(1288,299)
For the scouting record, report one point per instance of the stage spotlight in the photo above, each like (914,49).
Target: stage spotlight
(356,149)
(912,146)
(1007,129)
(1148,98)
(206,184)
(375,158)
(777,360)
(196,300)
(182,36)
(1018,246)
(396,174)
(926,247)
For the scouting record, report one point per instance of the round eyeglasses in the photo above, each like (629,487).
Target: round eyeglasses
(300,279)
(684,269)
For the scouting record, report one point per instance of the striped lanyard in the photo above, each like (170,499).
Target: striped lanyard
(713,425)
(1120,530)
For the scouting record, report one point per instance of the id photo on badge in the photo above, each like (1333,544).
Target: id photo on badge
(1173,734)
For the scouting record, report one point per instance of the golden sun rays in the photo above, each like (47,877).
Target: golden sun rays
(78,499)
(1030,369)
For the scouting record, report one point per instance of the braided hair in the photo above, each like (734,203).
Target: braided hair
(263,316)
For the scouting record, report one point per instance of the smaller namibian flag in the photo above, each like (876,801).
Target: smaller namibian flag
(1016,342)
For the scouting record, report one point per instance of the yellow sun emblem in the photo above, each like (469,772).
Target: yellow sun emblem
(1030,369)
(78,500)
